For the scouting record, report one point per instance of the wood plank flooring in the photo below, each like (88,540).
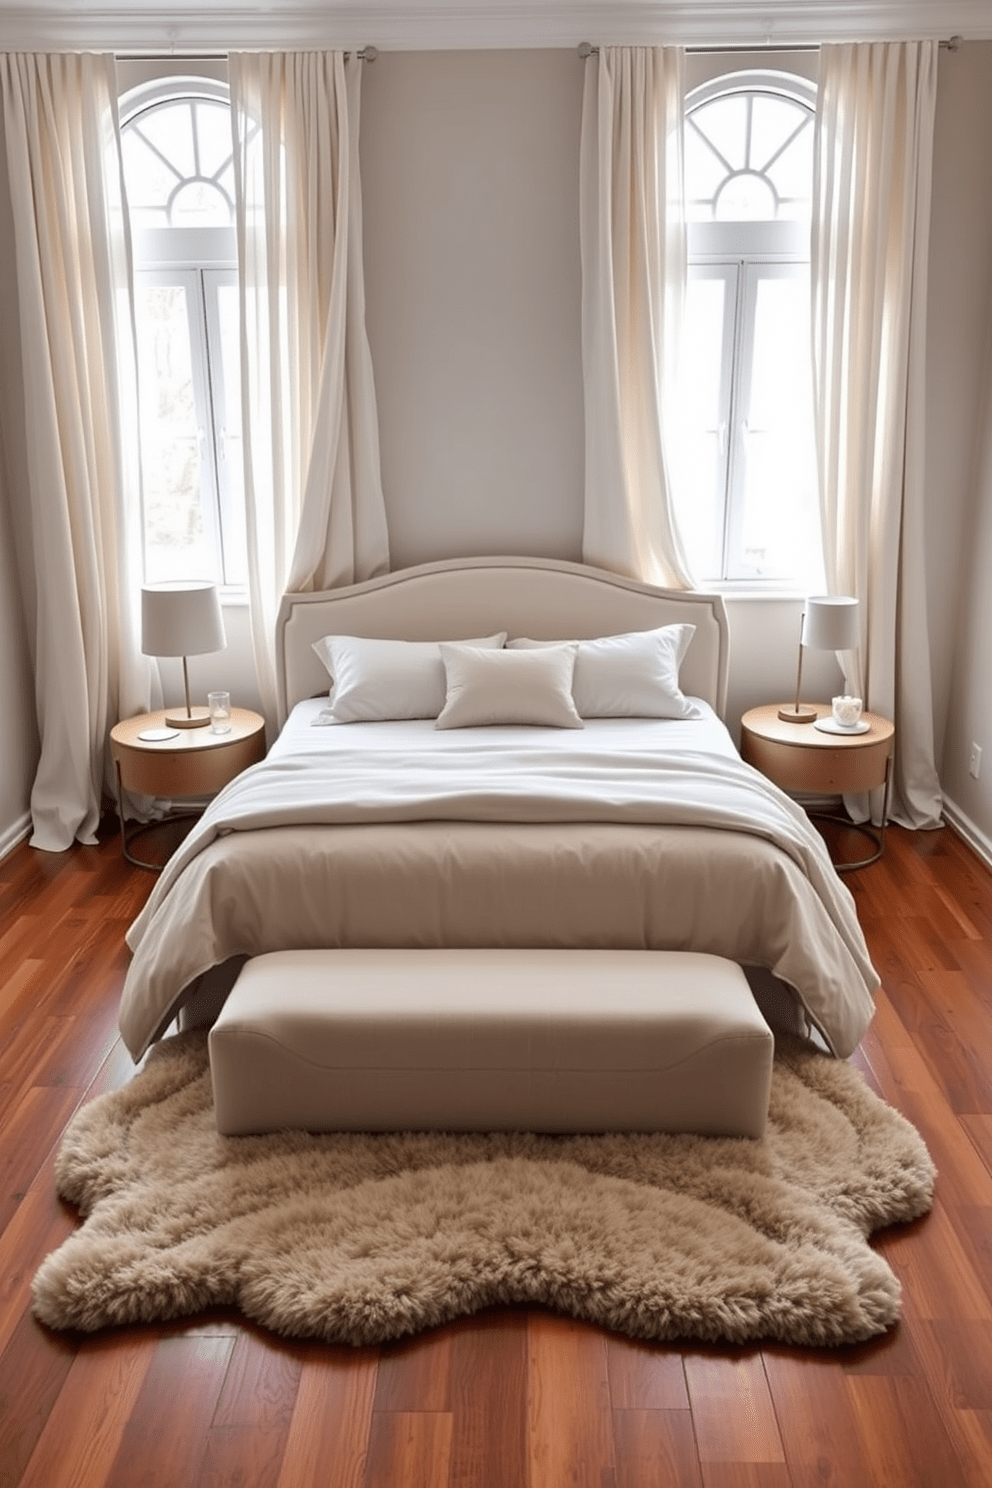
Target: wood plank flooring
(512,1398)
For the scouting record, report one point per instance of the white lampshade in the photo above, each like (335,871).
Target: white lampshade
(181,619)
(831,623)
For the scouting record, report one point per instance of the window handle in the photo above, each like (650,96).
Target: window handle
(225,435)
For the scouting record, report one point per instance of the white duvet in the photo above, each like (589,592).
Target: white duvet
(632,833)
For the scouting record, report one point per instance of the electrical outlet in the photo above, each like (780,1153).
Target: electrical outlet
(975,760)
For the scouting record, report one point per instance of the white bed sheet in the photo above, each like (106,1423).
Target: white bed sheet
(303,731)
(629,833)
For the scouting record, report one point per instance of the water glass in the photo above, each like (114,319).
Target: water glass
(219,704)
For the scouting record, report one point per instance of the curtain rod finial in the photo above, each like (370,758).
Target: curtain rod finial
(586,49)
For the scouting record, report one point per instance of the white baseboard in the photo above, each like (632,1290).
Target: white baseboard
(15,833)
(965,827)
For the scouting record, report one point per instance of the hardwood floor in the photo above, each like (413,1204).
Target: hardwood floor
(512,1397)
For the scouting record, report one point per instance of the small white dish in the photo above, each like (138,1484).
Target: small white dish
(828,726)
(158,735)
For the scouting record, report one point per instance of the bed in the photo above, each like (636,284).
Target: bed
(627,832)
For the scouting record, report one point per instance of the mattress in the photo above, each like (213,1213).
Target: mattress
(627,834)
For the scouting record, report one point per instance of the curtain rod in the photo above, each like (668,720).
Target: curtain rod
(586,48)
(366,53)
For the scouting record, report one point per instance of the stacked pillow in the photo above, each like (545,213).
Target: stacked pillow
(378,681)
(630,676)
(469,683)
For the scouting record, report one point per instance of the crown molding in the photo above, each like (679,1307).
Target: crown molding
(134,26)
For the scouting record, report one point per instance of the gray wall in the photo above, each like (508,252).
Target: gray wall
(469,165)
(959,456)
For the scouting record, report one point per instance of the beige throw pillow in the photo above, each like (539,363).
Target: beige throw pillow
(491,687)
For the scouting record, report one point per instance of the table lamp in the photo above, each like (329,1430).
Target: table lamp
(182,619)
(830,623)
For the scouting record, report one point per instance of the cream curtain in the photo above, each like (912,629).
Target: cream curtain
(633,275)
(78,521)
(315,510)
(871,223)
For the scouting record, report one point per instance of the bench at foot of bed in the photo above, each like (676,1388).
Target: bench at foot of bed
(476,1040)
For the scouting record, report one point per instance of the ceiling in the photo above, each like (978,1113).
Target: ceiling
(129,26)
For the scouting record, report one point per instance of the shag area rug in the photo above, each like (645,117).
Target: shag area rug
(363,1238)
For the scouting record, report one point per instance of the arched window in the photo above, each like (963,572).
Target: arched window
(744,467)
(177,157)
(749,149)
(177,150)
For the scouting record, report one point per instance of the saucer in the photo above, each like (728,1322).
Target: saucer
(158,735)
(827,724)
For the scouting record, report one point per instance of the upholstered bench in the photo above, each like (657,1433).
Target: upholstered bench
(464,1040)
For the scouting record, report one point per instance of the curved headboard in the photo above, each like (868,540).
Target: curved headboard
(545,598)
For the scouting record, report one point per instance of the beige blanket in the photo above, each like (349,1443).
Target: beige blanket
(513,846)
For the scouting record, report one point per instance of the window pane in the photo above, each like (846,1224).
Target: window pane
(200,204)
(213,136)
(231,450)
(779,519)
(176,544)
(792,174)
(745,198)
(704,170)
(724,122)
(169,127)
(773,121)
(700,424)
(150,181)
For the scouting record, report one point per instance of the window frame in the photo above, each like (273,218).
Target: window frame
(745,251)
(203,260)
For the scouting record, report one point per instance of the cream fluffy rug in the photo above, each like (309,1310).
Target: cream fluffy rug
(364,1238)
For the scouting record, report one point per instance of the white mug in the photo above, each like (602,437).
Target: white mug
(219,704)
(846,711)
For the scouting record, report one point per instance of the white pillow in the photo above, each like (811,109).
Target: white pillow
(375,680)
(487,687)
(635,675)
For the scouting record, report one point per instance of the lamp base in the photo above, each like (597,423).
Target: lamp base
(802,713)
(199,718)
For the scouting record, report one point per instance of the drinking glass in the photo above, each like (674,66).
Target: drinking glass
(219,704)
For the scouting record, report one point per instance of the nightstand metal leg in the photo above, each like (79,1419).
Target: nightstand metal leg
(867,829)
(127,839)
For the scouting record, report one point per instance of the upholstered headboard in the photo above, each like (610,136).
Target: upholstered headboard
(545,598)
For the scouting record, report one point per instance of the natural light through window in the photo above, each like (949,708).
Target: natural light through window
(178,166)
(176,141)
(744,469)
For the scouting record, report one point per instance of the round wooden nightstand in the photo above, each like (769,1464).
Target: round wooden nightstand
(799,757)
(194,762)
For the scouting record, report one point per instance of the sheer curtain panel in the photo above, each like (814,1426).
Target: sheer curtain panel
(315,511)
(77,522)
(633,274)
(871,225)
